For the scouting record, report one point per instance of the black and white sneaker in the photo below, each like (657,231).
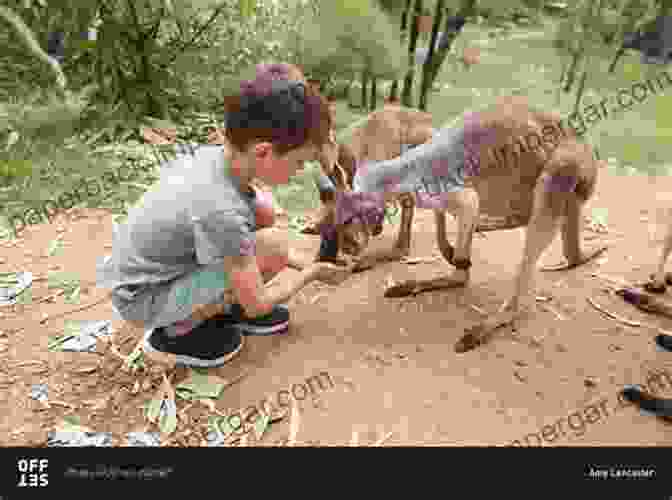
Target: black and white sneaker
(273,323)
(213,343)
(664,343)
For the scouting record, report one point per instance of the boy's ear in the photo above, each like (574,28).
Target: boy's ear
(262,149)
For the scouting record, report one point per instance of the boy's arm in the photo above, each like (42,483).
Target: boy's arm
(249,289)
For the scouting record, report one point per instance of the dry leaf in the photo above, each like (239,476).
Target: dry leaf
(478,310)
(551,309)
(86,369)
(317,297)
(294,423)
(418,260)
(383,439)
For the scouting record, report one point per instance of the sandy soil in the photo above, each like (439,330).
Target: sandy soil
(397,379)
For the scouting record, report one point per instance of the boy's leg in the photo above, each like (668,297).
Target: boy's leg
(207,292)
(173,311)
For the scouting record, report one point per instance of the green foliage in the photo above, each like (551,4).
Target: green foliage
(368,40)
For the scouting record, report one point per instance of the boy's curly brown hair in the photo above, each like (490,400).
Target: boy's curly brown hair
(286,113)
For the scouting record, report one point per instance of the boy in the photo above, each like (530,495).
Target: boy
(190,264)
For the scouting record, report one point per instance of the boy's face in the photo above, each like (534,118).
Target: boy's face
(275,169)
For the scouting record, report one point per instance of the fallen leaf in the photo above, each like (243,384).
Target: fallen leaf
(201,386)
(261,425)
(418,260)
(71,423)
(317,297)
(162,409)
(85,369)
(383,439)
(478,310)
(294,423)
(209,403)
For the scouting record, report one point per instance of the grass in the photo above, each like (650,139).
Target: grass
(524,61)
(637,140)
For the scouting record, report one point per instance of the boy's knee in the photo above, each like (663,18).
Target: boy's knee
(273,243)
(272,264)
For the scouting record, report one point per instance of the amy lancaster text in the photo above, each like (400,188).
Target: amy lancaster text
(617,473)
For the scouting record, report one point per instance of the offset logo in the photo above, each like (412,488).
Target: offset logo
(32,473)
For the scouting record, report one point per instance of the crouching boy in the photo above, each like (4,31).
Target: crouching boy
(190,264)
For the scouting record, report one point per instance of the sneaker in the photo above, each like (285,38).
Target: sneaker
(648,404)
(273,323)
(212,343)
(664,343)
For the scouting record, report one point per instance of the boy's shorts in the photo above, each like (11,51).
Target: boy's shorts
(169,303)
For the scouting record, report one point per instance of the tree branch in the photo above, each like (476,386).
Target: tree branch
(26,35)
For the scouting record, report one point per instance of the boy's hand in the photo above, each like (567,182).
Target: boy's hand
(332,274)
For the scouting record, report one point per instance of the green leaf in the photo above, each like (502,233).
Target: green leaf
(9,279)
(70,330)
(134,359)
(56,342)
(200,386)
(225,426)
(153,410)
(168,419)
(71,419)
(71,423)
(73,297)
(261,425)
(25,298)
(247,8)
(54,247)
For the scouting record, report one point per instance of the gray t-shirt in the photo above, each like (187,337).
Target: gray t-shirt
(194,216)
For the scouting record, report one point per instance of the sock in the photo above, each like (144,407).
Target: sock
(181,327)
(184,327)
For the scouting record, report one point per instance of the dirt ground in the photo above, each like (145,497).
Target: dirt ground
(397,379)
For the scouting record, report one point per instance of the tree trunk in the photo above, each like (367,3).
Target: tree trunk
(467,9)
(365,85)
(427,67)
(410,75)
(619,54)
(394,89)
(374,94)
(571,72)
(579,94)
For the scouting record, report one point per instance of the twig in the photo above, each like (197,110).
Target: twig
(25,34)
(317,297)
(354,441)
(44,320)
(619,281)
(383,439)
(478,309)
(114,350)
(49,297)
(612,315)
(550,309)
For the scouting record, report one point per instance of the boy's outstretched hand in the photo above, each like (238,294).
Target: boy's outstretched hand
(332,274)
